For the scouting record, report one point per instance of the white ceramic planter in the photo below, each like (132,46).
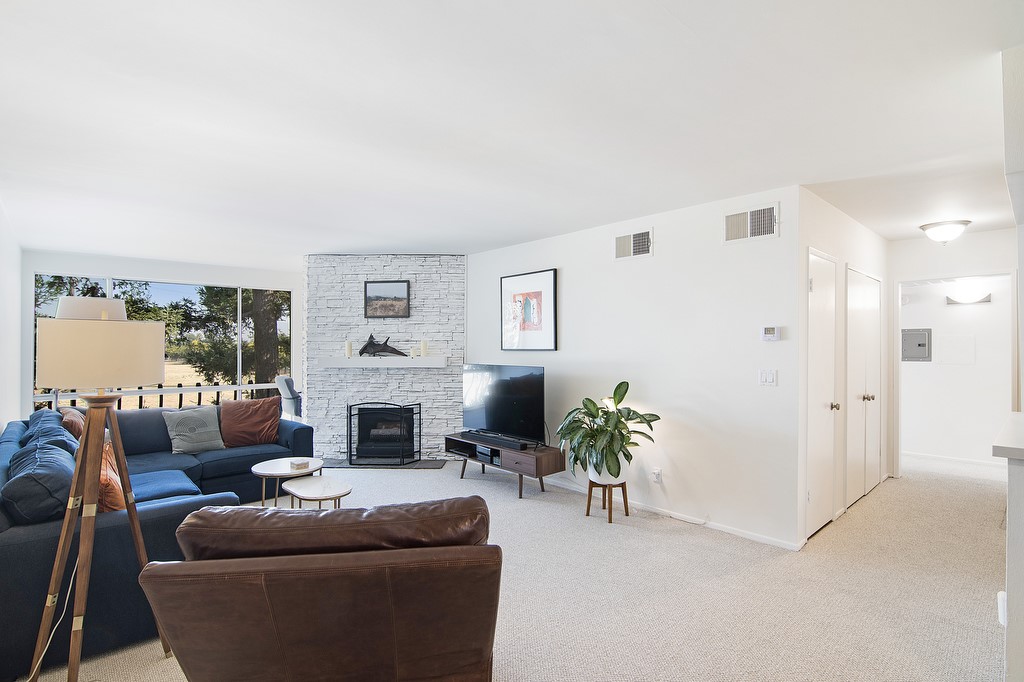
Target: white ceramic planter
(604,478)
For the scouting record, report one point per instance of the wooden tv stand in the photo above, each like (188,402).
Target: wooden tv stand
(537,462)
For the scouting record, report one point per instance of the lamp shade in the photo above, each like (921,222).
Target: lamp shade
(90,308)
(86,354)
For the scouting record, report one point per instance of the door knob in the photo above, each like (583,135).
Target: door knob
(834,406)
(865,397)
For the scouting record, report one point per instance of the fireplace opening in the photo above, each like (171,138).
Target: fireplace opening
(383,434)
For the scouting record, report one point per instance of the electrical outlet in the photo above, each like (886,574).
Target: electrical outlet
(656,475)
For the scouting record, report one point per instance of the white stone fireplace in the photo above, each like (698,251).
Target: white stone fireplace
(334,314)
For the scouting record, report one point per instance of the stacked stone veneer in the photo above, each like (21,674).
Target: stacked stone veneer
(334,314)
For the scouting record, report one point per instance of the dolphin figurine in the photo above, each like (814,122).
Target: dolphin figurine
(373,347)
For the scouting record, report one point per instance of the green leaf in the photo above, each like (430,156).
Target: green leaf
(570,418)
(641,434)
(611,463)
(627,455)
(651,417)
(612,420)
(591,408)
(620,392)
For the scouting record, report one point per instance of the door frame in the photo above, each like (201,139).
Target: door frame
(896,365)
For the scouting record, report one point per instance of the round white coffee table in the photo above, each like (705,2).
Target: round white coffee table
(282,468)
(316,489)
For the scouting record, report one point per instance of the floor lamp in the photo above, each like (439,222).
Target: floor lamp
(91,344)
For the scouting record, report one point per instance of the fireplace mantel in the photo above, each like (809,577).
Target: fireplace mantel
(370,362)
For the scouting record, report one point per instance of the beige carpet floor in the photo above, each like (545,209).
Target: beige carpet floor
(902,587)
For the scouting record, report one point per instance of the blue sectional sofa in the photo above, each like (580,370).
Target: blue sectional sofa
(148,448)
(167,486)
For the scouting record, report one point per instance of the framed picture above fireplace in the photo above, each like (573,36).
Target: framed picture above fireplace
(528,311)
(386,298)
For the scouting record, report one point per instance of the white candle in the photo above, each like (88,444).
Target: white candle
(348,349)
(423,348)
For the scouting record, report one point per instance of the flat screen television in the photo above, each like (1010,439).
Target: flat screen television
(504,399)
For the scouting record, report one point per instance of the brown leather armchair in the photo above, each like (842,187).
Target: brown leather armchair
(403,592)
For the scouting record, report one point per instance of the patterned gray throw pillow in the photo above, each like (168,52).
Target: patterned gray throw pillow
(194,430)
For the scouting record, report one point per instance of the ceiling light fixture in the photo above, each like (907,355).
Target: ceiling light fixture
(945,231)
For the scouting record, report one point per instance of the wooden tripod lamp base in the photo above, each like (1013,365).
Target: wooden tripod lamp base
(82,504)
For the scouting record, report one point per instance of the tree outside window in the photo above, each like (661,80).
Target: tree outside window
(205,343)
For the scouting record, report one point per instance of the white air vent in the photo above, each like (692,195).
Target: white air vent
(753,224)
(631,245)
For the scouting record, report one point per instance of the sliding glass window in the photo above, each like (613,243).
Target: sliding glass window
(205,344)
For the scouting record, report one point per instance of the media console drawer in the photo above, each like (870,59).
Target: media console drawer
(520,462)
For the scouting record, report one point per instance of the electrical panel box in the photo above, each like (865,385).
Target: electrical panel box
(917,345)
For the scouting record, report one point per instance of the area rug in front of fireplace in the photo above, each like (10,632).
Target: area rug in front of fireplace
(342,463)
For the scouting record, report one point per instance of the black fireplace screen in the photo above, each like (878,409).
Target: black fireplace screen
(383,434)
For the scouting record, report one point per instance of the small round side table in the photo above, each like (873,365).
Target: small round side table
(282,468)
(316,489)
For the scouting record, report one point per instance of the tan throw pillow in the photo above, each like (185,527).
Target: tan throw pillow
(111,493)
(73,421)
(250,422)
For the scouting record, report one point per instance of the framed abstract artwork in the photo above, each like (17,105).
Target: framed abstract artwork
(528,311)
(386,299)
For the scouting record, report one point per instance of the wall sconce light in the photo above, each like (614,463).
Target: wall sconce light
(967,290)
(985,299)
(945,231)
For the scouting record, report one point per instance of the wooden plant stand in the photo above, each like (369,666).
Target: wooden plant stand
(606,496)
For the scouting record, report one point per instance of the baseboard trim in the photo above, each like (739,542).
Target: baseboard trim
(693,520)
(996,462)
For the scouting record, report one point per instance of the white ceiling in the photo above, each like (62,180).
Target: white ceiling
(255,132)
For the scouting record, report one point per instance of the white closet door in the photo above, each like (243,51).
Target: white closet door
(863,383)
(821,392)
(872,339)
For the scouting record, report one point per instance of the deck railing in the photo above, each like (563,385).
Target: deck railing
(166,396)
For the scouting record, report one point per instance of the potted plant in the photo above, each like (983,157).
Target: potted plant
(597,435)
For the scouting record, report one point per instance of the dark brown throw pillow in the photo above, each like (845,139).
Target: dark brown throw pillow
(73,421)
(249,422)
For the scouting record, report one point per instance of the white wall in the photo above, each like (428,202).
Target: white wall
(59,262)
(827,229)
(10,338)
(955,405)
(683,328)
(992,252)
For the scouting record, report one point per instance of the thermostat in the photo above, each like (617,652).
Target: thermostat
(771,333)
